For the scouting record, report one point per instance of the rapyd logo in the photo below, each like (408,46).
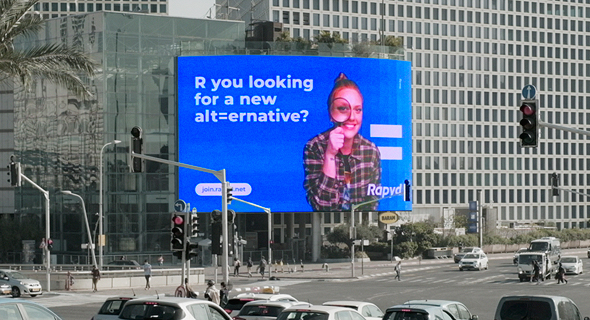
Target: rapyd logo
(384,191)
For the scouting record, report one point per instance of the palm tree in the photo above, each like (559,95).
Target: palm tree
(55,62)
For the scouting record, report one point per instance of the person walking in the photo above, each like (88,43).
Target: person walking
(161,261)
(212,293)
(536,271)
(560,275)
(95,278)
(237,265)
(147,272)
(249,266)
(262,266)
(223,295)
(398,271)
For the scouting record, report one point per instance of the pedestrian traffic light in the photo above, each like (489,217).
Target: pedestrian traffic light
(178,231)
(216,232)
(136,148)
(555,184)
(49,244)
(191,250)
(530,123)
(14,172)
(229,190)
(194,229)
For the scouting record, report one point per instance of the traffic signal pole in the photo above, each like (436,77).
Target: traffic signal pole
(46,251)
(221,176)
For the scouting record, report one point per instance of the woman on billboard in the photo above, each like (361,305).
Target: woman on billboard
(339,163)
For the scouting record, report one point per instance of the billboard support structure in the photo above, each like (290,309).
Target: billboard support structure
(221,176)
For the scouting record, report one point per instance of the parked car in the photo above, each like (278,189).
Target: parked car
(20,284)
(5,289)
(112,307)
(17,309)
(265,309)
(235,304)
(172,308)
(572,264)
(459,255)
(319,313)
(369,310)
(537,307)
(123,264)
(429,310)
(519,251)
(473,261)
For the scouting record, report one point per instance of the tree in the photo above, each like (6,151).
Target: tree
(329,38)
(57,63)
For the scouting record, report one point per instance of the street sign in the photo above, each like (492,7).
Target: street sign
(529,92)
(388,217)
(179,205)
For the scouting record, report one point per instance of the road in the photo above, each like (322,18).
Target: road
(480,291)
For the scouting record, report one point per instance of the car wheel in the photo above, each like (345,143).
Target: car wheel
(34,295)
(460,269)
(521,279)
(15,292)
(487,266)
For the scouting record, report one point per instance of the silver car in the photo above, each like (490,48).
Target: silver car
(112,307)
(20,284)
(265,309)
(369,310)
(172,308)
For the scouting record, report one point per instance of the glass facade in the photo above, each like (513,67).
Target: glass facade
(59,137)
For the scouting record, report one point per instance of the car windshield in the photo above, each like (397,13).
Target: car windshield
(518,310)
(112,307)
(405,315)
(151,311)
(539,246)
(303,315)
(468,250)
(568,260)
(236,304)
(528,258)
(471,256)
(16,275)
(260,310)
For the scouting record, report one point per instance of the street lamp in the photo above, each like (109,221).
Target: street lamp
(87,224)
(100,209)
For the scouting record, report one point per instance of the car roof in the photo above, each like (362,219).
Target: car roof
(425,303)
(535,297)
(169,300)
(275,303)
(263,296)
(346,303)
(318,308)
(22,301)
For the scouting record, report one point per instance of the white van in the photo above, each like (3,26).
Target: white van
(525,265)
(537,307)
(549,245)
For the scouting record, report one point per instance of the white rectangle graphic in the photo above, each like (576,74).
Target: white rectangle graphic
(390,153)
(386,131)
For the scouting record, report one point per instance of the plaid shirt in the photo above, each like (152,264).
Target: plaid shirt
(325,193)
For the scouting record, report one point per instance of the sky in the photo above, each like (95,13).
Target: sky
(190,8)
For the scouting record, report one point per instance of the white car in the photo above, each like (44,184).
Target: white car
(474,261)
(572,264)
(111,308)
(369,310)
(458,256)
(235,304)
(319,313)
(20,284)
(172,308)
(265,310)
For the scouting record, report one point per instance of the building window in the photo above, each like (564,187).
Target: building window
(364,7)
(295,17)
(286,3)
(295,3)
(316,4)
(316,19)
(336,21)
(336,5)
(326,20)
(326,5)
(275,16)
(306,18)
(116,7)
(63,7)
(285,17)
(72,7)
(305,4)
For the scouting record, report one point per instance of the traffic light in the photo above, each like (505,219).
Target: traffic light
(555,184)
(530,123)
(229,190)
(178,232)
(136,148)
(194,228)
(216,232)
(49,244)
(191,250)
(14,173)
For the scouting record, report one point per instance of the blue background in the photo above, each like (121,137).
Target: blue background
(269,155)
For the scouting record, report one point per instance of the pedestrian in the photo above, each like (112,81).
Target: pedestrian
(223,295)
(301,265)
(211,293)
(536,271)
(95,278)
(237,264)
(398,271)
(160,261)
(560,275)
(249,265)
(147,272)
(262,266)
(190,293)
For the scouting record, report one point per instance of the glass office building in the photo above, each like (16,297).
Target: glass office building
(61,8)
(470,61)
(58,137)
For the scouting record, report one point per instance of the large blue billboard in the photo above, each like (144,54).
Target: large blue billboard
(294,133)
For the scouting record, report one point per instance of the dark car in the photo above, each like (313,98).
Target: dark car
(112,307)
(123,264)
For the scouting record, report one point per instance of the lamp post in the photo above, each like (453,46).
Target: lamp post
(87,224)
(100,209)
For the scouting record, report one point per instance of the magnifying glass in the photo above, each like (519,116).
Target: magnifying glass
(340,110)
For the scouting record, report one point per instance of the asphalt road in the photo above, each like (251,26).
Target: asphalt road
(480,291)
